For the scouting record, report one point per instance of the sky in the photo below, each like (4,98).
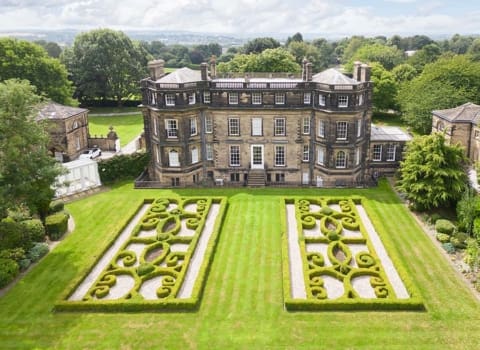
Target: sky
(248,17)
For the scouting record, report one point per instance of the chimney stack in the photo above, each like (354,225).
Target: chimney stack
(304,69)
(356,70)
(203,70)
(364,73)
(213,67)
(156,69)
(309,71)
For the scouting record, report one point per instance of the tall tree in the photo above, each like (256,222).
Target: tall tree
(432,174)
(26,171)
(428,54)
(384,88)
(106,64)
(387,56)
(258,45)
(21,59)
(270,60)
(53,49)
(302,49)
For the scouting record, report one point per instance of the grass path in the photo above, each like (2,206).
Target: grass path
(127,126)
(242,306)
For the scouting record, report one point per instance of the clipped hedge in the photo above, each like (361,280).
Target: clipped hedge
(444,226)
(56,225)
(122,167)
(56,207)
(9,269)
(14,235)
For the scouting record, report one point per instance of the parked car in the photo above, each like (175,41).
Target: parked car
(91,153)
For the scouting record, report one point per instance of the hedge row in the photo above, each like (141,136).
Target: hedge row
(122,167)
(383,302)
(135,302)
(56,225)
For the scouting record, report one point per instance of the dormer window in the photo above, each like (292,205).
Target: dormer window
(233,98)
(191,99)
(279,99)
(343,101)
(170,99)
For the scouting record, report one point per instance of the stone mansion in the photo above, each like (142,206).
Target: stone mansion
(262,129)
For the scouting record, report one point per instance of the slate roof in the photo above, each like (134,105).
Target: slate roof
(54,110)
(180,76)
(332,76)
(388,133)
(468,112)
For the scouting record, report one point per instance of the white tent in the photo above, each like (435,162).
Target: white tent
(82,175)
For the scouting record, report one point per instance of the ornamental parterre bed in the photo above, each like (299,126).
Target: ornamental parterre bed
(159,261)
(334,259)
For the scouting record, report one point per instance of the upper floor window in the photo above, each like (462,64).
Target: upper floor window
(377,153)
(359,127)
(193,126)
(357,156)
(191,99)
(153,97)
(307,98)
(209,151)
(391,151)
(279,129)
(321,128)
(155,126)
(234,155)
(360,100)
(342,128)
(321,155)
(306,153)
(341,160)
(171,127)
(173,158)
(257,128)
(157,151)
(233,126)
(279,99)
(170,99)
(207,97)
(322,99)
(194,154)
(208,124)
(306,126)
(279,155)
(233,98)
(342,101)
(257,98)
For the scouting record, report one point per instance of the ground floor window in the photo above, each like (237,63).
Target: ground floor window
(279,177)
(175,181)
(235,177)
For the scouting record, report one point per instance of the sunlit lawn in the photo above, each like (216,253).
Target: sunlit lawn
(127,126)
(242,307)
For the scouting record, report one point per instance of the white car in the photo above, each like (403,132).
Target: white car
(91,153)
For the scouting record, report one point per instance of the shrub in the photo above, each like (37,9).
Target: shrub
(457,243)
(443,238)
(35,230)
(8,271)
(56,225)
(24,264)
(444,226)
(449,248)
(16,254)
(13,235)
(476,227)
(472,256)
(432,219)
(37,251)
(122,167)
(19,213)
(56,207)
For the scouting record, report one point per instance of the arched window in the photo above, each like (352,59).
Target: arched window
(173,158)
(440,125)
(341,160)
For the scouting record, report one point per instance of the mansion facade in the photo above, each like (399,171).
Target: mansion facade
(262,129)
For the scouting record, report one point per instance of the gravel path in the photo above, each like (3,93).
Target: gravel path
(296,270)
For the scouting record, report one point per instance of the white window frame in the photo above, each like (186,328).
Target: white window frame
(279,128)
(342,101)
(359,127)
(342,130)
(357,156)
(306,126)
(153,97)
(306,153)
(321,155)
(257,127)
(194,154)
(377,153)
(322,100)
(391,153)
(256,98)
(209,151)
(155,126)
(208,124)
(173,161)
(321,128)
(169,129)
(234,155)
(192,99)
(280,155)
(207,97)
(341,162)
(193,126)
(233,98)
(170,99)
(307,98)
(360,100)
(233,123)
(279,98)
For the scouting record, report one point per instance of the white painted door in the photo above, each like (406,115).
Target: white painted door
(256,152)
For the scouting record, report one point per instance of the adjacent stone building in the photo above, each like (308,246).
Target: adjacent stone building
(261,128)
(67,128)
(460,125)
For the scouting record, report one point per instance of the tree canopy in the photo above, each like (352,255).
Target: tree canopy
(384,87)
(432,174)
(26,170)
(106,64)
(21,59)
(259,45)
(270,60)
(387,56)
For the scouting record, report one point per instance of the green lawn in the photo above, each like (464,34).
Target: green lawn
(127,126)
(242,307)
(105,110)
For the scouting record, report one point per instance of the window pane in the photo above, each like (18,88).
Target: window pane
(321,155)
(234,126)
(209,151)
(307,98)
(279,155)
(257,127)
(256,98)
(321,128)
(377,152)
(209,124)
(342,101)
(342,130)
(341,160)
(193,126)
(306,153)
(233,98)
(173,158)
(279,99)
(321,100)
(306,125)
(171,128)
(279,127)
(234,155)
(207,97)
(391,150)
